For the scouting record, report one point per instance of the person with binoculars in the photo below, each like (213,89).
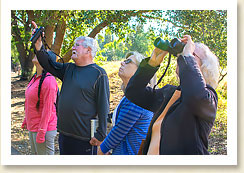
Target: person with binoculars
(184,114)
(84,95)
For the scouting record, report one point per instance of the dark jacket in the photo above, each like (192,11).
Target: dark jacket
(84,96)
(188,122)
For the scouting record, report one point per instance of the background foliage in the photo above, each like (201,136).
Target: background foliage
(120,31)
(117,31)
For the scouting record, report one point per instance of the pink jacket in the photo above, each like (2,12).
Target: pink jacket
(45,119)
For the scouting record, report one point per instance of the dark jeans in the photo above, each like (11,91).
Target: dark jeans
(72,146)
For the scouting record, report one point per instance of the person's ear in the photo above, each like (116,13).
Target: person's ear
(88,50)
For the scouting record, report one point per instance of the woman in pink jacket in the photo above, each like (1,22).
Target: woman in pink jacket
(40,110)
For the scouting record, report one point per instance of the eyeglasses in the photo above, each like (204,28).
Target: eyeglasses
(196,55)
(127,61)
(78,44)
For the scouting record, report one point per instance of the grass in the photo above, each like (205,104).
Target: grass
(111,67)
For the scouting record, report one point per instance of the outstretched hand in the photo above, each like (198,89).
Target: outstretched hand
(38,43)
(157,57)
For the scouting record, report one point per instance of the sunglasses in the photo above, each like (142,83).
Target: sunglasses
(127,61)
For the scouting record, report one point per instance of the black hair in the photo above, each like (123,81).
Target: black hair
(44,72)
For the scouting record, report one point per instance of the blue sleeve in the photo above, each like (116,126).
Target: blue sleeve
(128,115)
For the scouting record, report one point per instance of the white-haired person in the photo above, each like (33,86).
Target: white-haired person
(183,115)
(84,96)
(130,122)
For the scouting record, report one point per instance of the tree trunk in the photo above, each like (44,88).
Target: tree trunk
(49,29)
(66,57)
(27,66)
(25,55)
(60,32)
(25,60)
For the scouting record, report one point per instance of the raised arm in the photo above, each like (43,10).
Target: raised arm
(53,67)
(201,97)
(137,90)
(45,60)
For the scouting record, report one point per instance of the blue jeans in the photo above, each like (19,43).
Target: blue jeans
(72,146)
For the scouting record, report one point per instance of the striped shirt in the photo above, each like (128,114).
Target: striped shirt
(130,128)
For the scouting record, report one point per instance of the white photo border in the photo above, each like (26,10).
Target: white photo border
(229,159)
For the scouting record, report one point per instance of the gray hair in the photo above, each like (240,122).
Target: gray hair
(89,42)
(139,57)
(210,65)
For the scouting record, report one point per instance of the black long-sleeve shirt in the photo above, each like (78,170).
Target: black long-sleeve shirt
(188,122)
(84,96)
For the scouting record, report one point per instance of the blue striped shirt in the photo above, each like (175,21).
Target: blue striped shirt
(130,128)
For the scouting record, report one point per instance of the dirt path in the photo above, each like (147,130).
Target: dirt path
(19,137)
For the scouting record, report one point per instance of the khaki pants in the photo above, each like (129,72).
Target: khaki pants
(46,148)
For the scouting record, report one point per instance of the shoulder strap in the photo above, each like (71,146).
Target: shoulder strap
(156,128)
(141,147)
(174,97)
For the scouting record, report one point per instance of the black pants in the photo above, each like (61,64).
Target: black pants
(72,146)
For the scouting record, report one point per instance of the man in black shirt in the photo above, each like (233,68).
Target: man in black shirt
(84,96)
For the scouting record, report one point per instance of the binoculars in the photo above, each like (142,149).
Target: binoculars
(37,34)
(174,47)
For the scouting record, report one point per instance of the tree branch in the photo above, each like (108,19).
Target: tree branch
(105,23)
(98,28)
(222,77)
